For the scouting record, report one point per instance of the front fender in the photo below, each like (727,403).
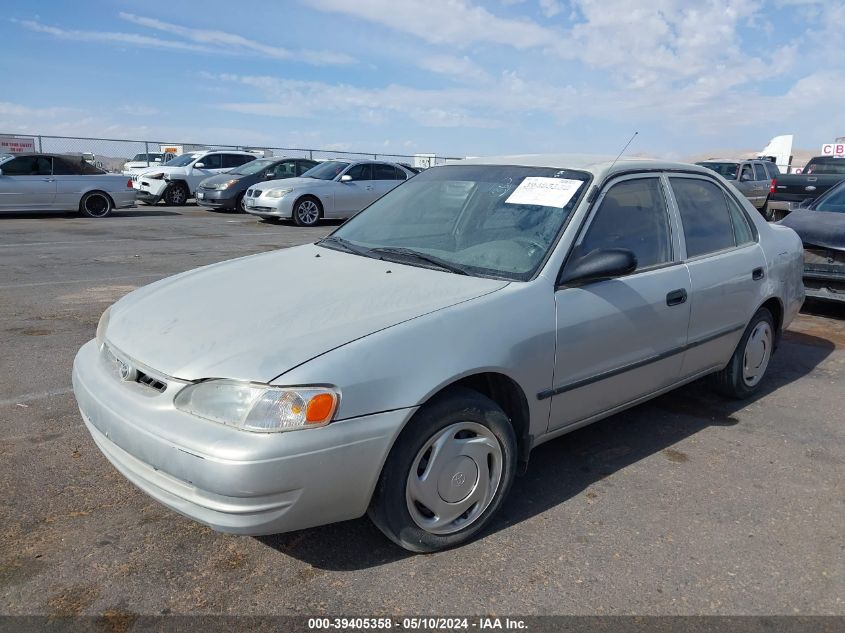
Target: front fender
(510,331)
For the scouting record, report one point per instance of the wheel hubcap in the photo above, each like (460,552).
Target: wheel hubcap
(758,351)
(97,205)
(308,212)
(454,478)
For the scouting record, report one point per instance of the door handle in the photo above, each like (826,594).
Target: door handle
(369,188)
(676,297)
(49,180)
(757,274)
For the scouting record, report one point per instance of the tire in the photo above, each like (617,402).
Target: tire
(176,195)
(477,451)
(96,204)
(307,211)
(747,367)
(240,207)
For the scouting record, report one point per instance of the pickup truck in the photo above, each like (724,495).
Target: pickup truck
(790,191)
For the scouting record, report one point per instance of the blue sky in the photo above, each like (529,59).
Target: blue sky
(455,77)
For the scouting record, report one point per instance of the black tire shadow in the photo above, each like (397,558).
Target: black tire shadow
(829,309)
(564,467)
(137,212)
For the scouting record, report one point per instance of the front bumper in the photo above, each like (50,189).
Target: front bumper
(149,189)
(217,198)
(233,481)
(265,207)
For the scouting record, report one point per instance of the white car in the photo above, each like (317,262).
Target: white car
(332,189)
(144,161)
(177,181)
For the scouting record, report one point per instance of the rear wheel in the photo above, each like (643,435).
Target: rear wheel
(176,195)
(307,211)
(447,474)
(748,365)
(95,204)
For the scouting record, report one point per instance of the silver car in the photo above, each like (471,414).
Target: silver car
(428,344)
(332,189)
(753,178)
(55,182)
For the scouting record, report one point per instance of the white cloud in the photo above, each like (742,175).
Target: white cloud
(455,22)
(131,39)
(550,8)
(234,42)
(462,68)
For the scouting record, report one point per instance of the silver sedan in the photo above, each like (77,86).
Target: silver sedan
(332,189)
(431,342)
(48,182)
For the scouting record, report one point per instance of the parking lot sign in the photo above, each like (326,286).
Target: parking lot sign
(16,144)
(834,149)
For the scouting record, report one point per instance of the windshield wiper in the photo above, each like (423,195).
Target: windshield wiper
(346,245)
(422,257)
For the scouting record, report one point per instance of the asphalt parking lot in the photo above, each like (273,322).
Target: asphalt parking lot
(690,504)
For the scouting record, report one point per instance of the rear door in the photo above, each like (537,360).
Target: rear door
(726,268)
(27,184)
(762,183)
(621,339)
(745,182)
(386,177)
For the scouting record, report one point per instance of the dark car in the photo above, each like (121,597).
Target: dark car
(817,177)
(226,191)
(821,226)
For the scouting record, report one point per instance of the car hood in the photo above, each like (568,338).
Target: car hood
(163,169)
(818,228)
(256,317)
(219,179)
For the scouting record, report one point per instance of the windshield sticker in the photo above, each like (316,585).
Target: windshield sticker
(546,192)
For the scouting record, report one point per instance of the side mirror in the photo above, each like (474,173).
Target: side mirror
(346,178)
(599,264)
(199,165)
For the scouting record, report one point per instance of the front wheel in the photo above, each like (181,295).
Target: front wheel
(447,474)
(95,204)
(307,211)
(745,371)
(176,195)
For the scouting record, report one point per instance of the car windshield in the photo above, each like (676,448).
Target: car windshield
(725,170)
(182,160)
(139,158)
(326,171)
(253,167)
(830,166)
(833,201)
(484,220)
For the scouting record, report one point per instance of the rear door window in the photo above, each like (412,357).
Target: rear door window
(760,172)
(705,215)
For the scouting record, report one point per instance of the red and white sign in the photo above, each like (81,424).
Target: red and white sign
(16,144)
(834,149)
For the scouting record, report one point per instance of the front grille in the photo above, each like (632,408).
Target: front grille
(253,193)
(150,381)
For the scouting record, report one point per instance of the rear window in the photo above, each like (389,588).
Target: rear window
(725,170)
(825,166)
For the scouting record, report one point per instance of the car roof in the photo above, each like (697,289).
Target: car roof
(598,165)
(724,160)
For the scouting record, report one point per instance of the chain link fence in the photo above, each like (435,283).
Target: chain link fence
(110,154)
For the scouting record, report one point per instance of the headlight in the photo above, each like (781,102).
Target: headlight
(101,327)
(277,193)
(228,184)
(257,407)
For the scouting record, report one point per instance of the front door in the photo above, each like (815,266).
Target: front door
(27,184)
(353,195)
(621,339)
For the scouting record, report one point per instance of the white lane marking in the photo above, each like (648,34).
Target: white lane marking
(83,281)
(30,397)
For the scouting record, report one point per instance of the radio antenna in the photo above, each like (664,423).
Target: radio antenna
(630,140)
